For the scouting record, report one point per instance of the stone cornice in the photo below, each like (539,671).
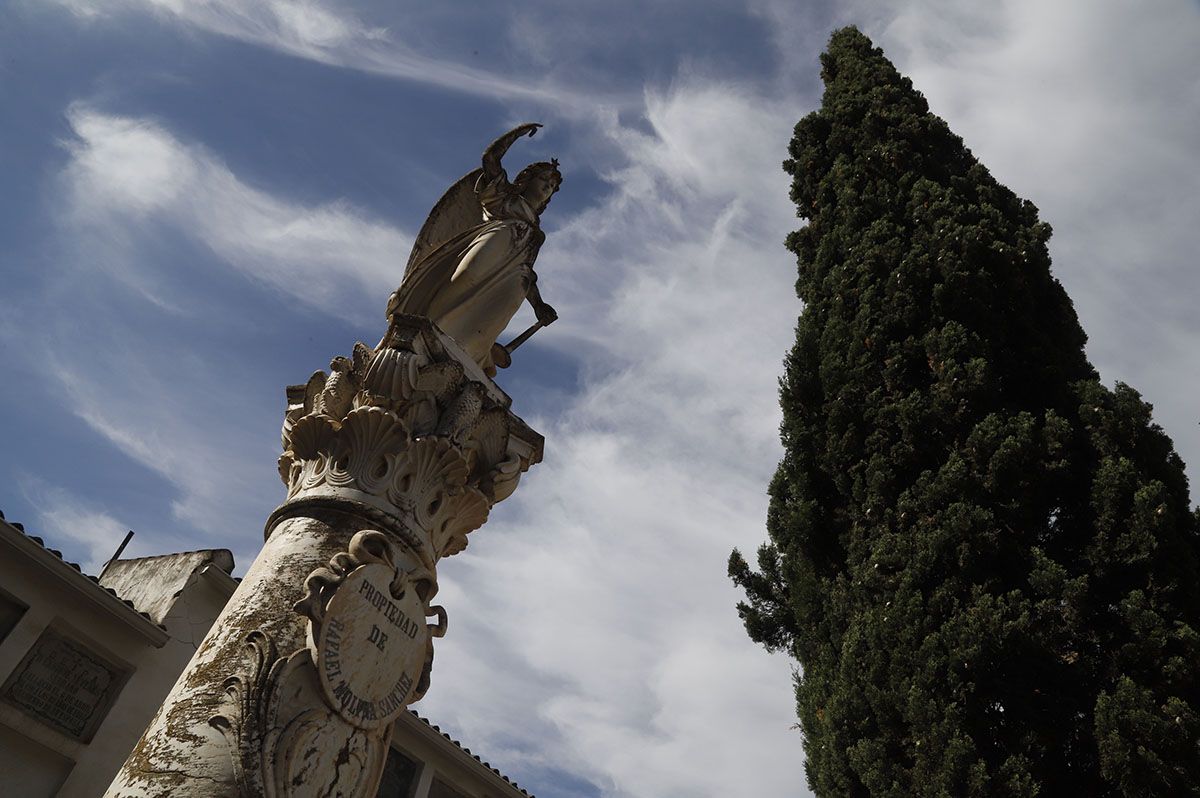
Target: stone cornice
(412,428)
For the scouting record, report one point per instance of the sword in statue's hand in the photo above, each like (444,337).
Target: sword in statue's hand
(502,355)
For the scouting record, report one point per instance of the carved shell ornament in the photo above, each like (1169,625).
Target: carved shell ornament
(392,375)
(366,449)
(431,483)
(432,470)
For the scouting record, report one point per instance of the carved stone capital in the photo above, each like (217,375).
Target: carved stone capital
(413,428)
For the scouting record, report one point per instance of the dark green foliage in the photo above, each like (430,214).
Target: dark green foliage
(983,560)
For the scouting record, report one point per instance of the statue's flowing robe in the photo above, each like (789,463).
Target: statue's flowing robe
(473,283)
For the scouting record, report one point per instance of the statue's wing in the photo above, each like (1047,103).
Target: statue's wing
(457,211)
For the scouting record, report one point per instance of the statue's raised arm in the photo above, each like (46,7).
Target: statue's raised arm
(471,265)
(492,155)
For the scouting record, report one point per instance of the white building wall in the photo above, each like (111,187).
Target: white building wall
(44,760)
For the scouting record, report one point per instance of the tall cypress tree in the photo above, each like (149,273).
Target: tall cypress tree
(983,560)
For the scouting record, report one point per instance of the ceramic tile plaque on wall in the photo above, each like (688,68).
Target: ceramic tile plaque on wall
(64,684)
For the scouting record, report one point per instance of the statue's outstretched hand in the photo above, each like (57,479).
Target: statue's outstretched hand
(495,151)
(545,314)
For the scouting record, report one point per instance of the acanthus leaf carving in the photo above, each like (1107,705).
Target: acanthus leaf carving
(245,722)
(459,419)
(457,516)
(488,452)
(441,380)
(502,480)
(408,425)
(345,380)
(435,387)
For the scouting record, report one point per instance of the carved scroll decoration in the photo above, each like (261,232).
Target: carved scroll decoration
(288,736)
(285,740)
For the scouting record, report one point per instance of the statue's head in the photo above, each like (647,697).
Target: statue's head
(538,182)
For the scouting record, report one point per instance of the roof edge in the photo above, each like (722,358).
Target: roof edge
(86,586)
(435,734)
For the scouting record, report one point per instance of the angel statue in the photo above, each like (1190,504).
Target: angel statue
(471,265)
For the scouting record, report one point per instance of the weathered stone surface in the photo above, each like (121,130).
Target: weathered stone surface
(154,583)
(370,641)
(390,462)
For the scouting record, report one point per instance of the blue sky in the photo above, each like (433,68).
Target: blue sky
(205,201)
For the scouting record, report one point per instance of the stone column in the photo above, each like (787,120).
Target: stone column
(389,461)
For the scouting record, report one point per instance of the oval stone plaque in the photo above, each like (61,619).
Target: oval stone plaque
(371,647)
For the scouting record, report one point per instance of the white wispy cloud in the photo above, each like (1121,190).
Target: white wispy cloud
(173,403)
(328,34)
(168,414)
(65,518)
(126,172)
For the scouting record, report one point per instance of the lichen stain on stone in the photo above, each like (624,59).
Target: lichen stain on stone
(168,756)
